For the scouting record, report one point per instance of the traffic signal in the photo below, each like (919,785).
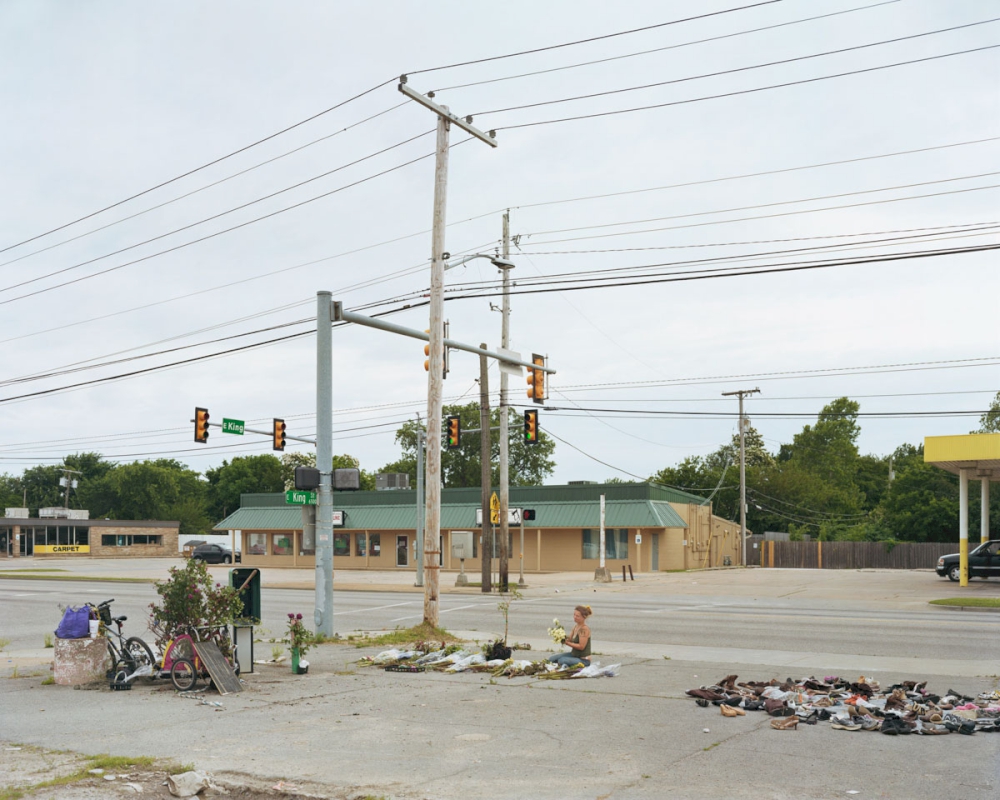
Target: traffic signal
(454,435)
(536,379)
(445,353)
(278,434)
(201,425)
(530,426)
(528,515)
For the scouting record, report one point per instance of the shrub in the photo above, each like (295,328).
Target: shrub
(190,599)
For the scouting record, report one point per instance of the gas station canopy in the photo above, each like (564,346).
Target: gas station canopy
(978,452)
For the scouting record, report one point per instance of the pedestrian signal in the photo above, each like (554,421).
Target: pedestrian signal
(201,425)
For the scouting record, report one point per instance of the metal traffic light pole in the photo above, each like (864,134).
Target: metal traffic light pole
(324,462)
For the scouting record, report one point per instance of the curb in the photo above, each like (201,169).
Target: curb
(966,608)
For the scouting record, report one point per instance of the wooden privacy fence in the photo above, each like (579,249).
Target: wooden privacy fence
(852,555)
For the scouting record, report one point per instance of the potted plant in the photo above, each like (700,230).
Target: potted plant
(299,642)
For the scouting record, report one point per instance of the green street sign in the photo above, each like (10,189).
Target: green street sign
(233,426)
(296,498)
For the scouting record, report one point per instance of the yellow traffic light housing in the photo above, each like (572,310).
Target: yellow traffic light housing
(445,353)
(531,427)
(278,434)
(201,425)
(536,379)
(454,428)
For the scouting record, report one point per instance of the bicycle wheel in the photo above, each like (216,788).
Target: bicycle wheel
(140,653)
(183,675)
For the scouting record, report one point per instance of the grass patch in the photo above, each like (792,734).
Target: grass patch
(418,633)
(968,602)
(3,644)
(714,744)
(105,762)
(48,681)
(48,641)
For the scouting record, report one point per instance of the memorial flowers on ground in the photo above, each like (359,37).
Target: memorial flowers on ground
(299,637)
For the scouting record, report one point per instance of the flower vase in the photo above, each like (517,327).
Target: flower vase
(295,661)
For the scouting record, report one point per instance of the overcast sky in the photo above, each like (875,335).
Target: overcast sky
(102,101)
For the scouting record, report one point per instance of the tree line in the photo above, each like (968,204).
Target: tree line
(818,484)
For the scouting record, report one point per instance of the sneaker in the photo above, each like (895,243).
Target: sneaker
(869,723)
(840,725)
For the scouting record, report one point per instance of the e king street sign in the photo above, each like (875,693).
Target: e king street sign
(299,498)
(233,426)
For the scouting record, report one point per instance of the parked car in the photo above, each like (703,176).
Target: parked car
(214,554)
(984,562)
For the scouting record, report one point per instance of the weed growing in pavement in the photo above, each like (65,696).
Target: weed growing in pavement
(48,681)
(48,640)
(3,644)
(276,652)
(714,744)
(418,633)
(14,673)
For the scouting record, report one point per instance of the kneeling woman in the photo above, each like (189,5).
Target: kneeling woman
(578,641)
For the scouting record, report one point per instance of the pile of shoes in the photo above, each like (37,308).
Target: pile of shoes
(904,708)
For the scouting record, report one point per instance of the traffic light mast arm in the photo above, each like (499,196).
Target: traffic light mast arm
(268,434)
(340,314)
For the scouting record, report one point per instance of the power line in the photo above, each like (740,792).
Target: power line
(590,39)
(661,49)
(735,70)
(221,232)
(221,213)
(203,188)
(756,206)
(203,166)
(743,91)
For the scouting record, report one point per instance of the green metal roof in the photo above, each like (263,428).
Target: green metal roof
(637,513)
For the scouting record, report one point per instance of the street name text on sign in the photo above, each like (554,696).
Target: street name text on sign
(233,426)
(299,498)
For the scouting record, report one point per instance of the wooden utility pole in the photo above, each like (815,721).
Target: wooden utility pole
(504,432)
(743,470)
(432,531)
(487,483)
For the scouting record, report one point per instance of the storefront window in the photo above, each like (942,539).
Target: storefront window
(257,544)
(281,544)
(360,544)
(615,543)
(375,542)
(341,544)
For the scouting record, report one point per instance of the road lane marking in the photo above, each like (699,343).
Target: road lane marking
(377,608)
(443,611)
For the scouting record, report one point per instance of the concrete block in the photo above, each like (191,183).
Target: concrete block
(79,661)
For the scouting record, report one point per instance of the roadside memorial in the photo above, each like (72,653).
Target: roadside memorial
(861,705)
(454,659)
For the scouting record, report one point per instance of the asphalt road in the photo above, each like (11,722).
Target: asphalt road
(620,621)
(344,731)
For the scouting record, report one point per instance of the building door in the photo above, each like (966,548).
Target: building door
(27,542)
(402,551)
(654,543)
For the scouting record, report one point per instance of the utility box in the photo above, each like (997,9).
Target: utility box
(247,581)
(461,544)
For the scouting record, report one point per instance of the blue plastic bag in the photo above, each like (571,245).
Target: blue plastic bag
(75,623)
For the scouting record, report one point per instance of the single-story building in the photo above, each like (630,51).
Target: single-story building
(23,536)
(647,527)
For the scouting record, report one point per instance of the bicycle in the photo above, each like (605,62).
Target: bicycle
(131,657)
(180,658)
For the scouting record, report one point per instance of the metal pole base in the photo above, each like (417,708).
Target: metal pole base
(602,575)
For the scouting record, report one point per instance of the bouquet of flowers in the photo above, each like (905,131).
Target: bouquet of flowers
(298,635)
(557,632)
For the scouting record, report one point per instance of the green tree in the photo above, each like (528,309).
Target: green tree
(529,464)
(922,502)
(163,489)
(990,421)
(244,474)
(289,461)
(11,495)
